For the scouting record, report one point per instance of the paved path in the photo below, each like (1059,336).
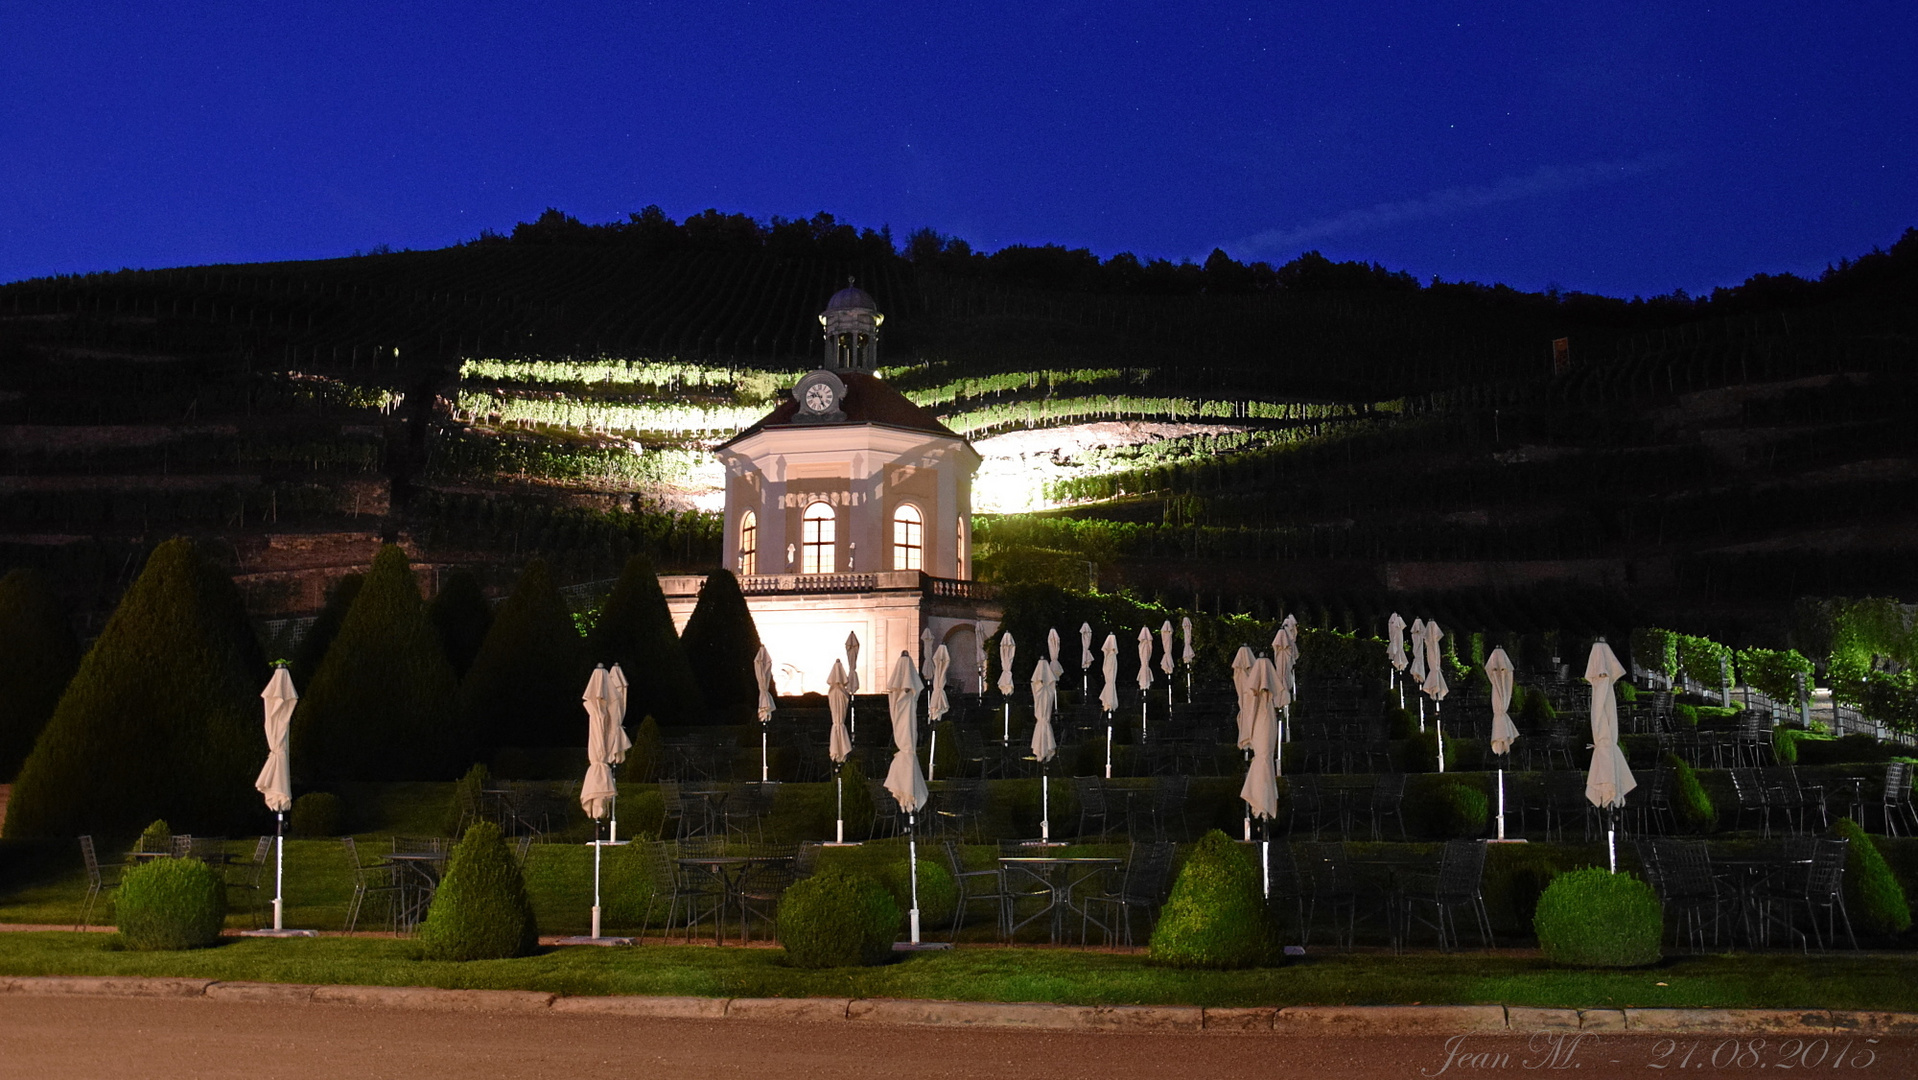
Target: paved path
(54,1038)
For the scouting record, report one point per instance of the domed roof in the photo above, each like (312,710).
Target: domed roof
(851,297)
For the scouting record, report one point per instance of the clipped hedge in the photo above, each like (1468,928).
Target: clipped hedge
(481,910)
(938,893)
(1873,898)
(1217,915)
(1592,918)
(38,656)
(1691,803)
(170,904)
(1447,807)
(525,683)
(837,918)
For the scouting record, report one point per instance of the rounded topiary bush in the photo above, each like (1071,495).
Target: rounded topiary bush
(937,891)
(838,919)
(1216,916)
(1873,898)
(157,836)
(316,814)
(480,910)
(1591,918)
(1400,723)
(1447,807)
(170,904)
(1691,803)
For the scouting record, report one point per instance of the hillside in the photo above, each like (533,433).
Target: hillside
(1319,436)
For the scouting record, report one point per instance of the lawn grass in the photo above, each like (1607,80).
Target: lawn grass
(1854,981)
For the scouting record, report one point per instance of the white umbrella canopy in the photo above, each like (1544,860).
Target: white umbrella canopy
(763,675)
(1289,671)
(1006,650)
(1045,690)
(1052,649)
(838,743)
(1395,642)
(617,690)
(275,782)
(925,653)
(1261,789)
(1433,681)
(903,779)
(1165,647)
(1085,647)
(1145,658)
(1285,653)
(936,705)
(1610,778)
(1186,655)
(1498,669)
(1418,652)
(603,740)
(852,663)
(1109,669)
(1242,662)
(979,655)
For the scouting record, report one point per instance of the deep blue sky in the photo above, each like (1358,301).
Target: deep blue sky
(1617,148)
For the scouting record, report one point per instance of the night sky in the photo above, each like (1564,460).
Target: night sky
(1615,148)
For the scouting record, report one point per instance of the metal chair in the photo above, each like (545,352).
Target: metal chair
(1897,799)
(1327,876)
(1169,797)
(746,807)
(1307,803)
(1090,791)
(1142,886)
(677,889)
(368,881)
(1814,884)
(761,887)
(977,886)
(1459,883)
(1388,799)
(1750,789)
(886,814)
(1680,871)
(251,872)
(97,875)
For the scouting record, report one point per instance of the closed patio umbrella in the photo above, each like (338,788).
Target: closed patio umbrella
(1052,650)
(617,692)
(1260,792)
(1045,689)
(1085,658)
(852,685)
(1007,648)
(1498,670)
(1242,686)
(903,779)
(1109,693)
(275,782)
(979,657)
(1285,657)
(1145,675)
(1418,664)
(925,654)
(1395,653)
(763,675)
(606,746)
(936,704)
(1165,658)
(1186,655)
(1610,778)
(1433,685)
(838,743)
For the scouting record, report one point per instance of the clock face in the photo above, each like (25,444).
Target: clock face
(819,397)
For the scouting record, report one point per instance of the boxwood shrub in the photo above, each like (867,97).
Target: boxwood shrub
(1592,918)
(1691,803)
(1216,916)
(937,891)
(1873,898)
(1447,807)
(170,904)
(837,918)
(481,910)
(316,814)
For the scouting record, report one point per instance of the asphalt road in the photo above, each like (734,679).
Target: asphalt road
(53,1038)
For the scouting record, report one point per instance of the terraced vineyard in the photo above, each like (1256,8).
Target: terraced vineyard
(1268,447)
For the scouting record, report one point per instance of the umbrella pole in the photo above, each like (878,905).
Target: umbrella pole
(839,826)
(1611,839)
(1108,746)
(279,868)
(1501,802)
(1005,734)
(912,859)
(597,846)
(1438,732)
(932,756)
(762,754)
(1045,806)
(1143,696)
(1265,860)
(1421,715)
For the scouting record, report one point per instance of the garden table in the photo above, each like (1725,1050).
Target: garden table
(418,875)
(730,870)
(1744,879)
(1059,875)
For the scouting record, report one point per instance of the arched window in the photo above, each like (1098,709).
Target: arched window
(908,538)
(820,530)
(749,543)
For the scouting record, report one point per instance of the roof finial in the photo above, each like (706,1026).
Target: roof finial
(848,281)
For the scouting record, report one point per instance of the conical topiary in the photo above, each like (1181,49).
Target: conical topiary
(460,613)
(720,642)
(38,656)
(647,755)
(635,631)
(480,910)
(1873,898)
(1216,916)
(525,685)
(319,637)
(161,720)
(381,705)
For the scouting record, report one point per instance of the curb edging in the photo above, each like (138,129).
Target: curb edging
(1308,1020)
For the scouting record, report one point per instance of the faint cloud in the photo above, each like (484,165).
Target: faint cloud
(1545,180)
